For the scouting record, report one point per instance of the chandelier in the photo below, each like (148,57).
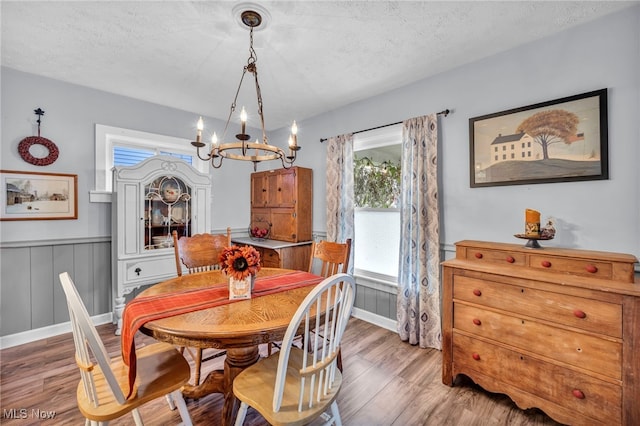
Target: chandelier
(243,149)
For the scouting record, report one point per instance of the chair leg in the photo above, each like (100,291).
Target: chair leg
(269,348)
(178,399)
(198,365)
(169,399)
(242,412)
(137,418)
(339,360)
(336,413)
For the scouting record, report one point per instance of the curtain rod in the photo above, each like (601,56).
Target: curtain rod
(443,112)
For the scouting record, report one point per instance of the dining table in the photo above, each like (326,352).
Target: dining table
(236,326)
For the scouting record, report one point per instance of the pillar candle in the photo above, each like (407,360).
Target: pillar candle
(532,223)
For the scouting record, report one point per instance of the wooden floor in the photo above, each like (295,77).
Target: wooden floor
(386,382)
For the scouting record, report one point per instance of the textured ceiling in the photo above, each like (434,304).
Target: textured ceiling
(313,56)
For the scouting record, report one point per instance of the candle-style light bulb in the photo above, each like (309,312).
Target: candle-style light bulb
(294,135)
(243,120)
(214,140)
(200,126)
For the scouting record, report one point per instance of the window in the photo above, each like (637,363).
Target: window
(123,147)
(377,162)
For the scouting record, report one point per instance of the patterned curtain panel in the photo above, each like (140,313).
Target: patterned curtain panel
(340,190)
(419,277)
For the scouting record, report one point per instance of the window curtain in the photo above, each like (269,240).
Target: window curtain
(418,300)
(340,190)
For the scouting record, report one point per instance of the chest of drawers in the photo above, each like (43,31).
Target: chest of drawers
(556,329)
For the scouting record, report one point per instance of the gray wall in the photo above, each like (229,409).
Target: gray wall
(600,215)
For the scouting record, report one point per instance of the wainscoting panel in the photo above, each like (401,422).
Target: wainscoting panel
(376,301)
(31,295)
(15,293)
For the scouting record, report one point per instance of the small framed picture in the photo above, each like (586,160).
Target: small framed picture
(561,140)
(38,196)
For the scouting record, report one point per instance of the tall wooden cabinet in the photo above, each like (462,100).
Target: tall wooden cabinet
(556,329)
(150,200)
(283,198)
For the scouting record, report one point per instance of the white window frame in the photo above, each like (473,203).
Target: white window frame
(375,139)
(107,137)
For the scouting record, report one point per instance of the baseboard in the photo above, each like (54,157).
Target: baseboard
(46,332)
(372,318)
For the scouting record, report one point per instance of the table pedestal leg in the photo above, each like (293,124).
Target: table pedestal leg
(221,381)
(237,360)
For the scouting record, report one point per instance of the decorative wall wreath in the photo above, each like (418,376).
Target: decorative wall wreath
(25,145)
(28,142)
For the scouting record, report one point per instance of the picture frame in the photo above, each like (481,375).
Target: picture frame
(562,140)
(38,196)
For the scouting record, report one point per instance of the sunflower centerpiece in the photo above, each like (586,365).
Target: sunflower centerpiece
(240,264)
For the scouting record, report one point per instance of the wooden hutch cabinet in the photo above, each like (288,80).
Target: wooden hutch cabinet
(283,198)
(557,329)
(150,200)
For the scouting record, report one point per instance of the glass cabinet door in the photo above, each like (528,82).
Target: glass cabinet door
(167,208)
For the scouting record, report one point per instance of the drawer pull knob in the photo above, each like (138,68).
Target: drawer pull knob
(476,321)
(477,292)
(510,259)
(592,269)
(546,263)
(478,255)
(476,356)
(578,393)
(137,271)
(580,314)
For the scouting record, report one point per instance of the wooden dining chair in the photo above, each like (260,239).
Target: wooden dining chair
(298,385)
(200,253)
(333,258)
(161,371)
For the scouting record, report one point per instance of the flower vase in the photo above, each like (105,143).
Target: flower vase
(241,289)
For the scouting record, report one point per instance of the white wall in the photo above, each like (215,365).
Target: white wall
(598,215)
(601,215)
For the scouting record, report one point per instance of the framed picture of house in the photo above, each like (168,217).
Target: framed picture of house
(556,141)
(38,196)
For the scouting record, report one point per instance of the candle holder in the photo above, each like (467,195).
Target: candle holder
(533,240)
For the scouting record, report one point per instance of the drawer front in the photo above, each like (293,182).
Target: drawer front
(143,270)
(582,267)
(587,314)
(269,258)
(575,348)
(500,257)
(579,392)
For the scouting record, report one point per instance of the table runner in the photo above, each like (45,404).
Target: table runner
(149,308)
